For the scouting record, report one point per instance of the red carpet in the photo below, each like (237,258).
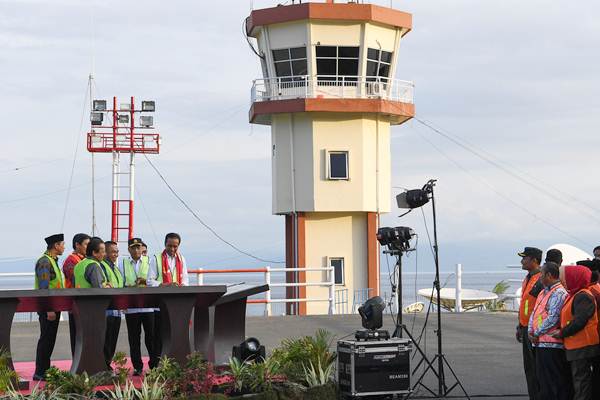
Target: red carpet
(26,370)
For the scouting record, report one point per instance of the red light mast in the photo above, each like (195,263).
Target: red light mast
(122,137)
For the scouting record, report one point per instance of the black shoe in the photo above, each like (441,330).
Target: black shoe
(137,372)
(38,378)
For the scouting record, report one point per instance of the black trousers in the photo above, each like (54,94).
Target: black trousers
(596,378)
(72,333)
(113,326)
(157,343)
(553,373)
(533,386)
(45,345)
(581,370)
(135,322)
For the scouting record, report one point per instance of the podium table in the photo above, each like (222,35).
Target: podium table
(89,305)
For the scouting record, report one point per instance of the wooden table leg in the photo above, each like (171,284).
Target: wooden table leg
(90,323)
(228,328)
(203,332)
(175,313)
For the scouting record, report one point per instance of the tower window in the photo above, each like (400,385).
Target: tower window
(334,62)
(378,65)
(337,264)
(290,63)
(338,165)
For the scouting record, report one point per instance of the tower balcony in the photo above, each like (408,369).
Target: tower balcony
(326,93)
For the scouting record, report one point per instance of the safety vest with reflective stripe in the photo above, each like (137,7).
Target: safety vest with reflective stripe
(527,300)
(59,280)
(130,275)
(81,281)
(159,267)
(114,276)
(588,336)
(540,314)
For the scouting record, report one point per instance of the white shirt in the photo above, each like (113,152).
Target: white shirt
(172,262)
(136,266)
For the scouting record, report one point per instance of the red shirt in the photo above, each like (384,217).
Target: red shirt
(68,267)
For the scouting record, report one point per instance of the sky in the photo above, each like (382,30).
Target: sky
(517,81)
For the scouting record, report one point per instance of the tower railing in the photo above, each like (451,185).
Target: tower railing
(332,87)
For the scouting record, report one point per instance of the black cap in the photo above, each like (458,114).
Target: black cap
(532,252)
(59,237)
(134,242)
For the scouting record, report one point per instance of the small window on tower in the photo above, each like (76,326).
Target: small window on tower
(338,269)
(290,64)
(338,165)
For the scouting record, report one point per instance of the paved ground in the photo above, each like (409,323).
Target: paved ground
(479,346)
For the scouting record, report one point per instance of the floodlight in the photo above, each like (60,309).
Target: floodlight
(412,198)
(249,350)
(397,238)
(96,118)
(124,106)
(99,105)
(146,121)
(123,118)
(372,313)
(148,105)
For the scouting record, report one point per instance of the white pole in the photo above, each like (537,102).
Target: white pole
(458,305)
(200,277)
(332,291)
(268,293)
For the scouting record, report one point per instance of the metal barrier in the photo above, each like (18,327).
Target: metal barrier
(267,271)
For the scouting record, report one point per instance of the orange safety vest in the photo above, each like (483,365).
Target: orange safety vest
(527,300)
(595,289)
(540,313)
(588,336)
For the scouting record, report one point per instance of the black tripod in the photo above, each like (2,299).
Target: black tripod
(443,389)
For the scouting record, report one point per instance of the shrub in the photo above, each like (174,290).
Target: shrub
(82,386)
(8,377)
(119,364)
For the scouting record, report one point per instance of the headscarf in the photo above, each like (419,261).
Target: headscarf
(577,277)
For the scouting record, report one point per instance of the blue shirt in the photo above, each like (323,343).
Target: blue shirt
(553,306)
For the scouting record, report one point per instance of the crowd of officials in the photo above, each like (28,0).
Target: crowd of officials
(558,326)
(95,263)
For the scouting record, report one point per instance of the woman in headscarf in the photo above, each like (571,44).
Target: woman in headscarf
(579,328)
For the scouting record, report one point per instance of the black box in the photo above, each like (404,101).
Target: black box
(371,368)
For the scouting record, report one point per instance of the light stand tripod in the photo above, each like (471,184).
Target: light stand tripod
(443,389)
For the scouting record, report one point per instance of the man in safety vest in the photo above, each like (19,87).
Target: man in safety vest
(579,328)
(531,258)
(48,276)
(113,317)
(80,242)
(552,368)
(135,272)
(167,269)
(88,273)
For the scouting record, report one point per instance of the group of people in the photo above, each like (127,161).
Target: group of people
(558,326)
(95,263)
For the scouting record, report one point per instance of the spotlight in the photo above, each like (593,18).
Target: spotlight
(249,350)
(412,198)
(148,106)
(96,118)
(99,105)
(372,313)
(123,118)
(146,121)
(397,238)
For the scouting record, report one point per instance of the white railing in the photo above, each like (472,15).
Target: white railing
(332,87)
(329,282)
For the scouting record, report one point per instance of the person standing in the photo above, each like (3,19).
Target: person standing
(579,328)
(551,366)
(48,276)
(555,256)
(135,271)
(88,273)
(113,317)
(80,242)
(168,268)
(531,257)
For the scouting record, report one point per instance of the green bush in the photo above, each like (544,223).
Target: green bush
(8,377)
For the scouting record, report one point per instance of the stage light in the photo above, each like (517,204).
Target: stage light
(146,121)
(148,105)
(123,118)
(371,313)
(99,105)
(412,198)
(249,350)
(96,118)
(397,238)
